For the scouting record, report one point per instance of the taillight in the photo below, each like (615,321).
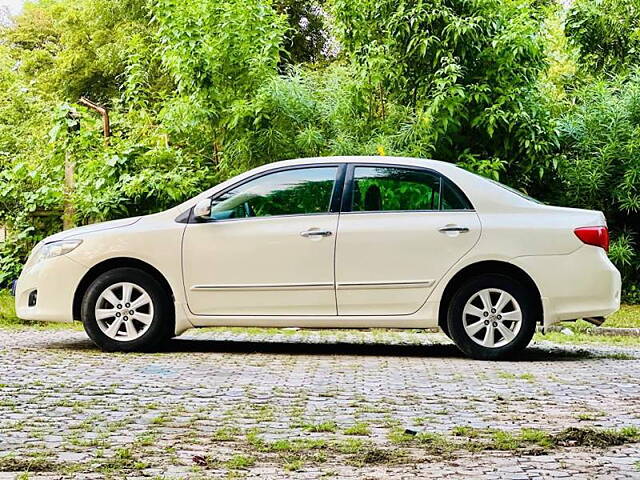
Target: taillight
(598,236)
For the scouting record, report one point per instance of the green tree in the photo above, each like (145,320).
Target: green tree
(80,48)
(218,53)
(606,32)
(307,39)
(467,68)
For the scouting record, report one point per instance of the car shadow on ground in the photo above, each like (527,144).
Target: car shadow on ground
(358,349)
(293,347)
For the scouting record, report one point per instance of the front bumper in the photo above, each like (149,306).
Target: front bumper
(54,282)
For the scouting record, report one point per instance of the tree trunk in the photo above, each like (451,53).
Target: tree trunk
(69,185)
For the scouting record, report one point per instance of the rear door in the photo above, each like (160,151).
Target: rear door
(400,230)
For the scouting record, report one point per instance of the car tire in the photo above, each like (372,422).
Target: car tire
(127,310)
(506,309)
(444,328)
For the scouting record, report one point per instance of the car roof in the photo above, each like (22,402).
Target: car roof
(361,159)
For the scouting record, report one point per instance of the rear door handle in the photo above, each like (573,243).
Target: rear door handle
(316,233)
(453,229)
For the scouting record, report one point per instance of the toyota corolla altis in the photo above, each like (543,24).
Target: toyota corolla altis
(337,242)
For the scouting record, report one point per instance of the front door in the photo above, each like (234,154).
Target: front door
(268,249)
(399,233)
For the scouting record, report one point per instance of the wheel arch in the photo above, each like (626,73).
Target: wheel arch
(485,267)
(118,262)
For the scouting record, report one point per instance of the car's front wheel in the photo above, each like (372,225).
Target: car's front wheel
(492,317)
(126,309)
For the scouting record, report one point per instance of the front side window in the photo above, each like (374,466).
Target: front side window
(403,189)
(289,192)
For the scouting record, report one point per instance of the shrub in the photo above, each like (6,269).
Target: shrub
(600,163)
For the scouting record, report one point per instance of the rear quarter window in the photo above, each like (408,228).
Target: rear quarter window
(453,198)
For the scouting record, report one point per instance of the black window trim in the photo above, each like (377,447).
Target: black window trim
(347,190)
(334,203)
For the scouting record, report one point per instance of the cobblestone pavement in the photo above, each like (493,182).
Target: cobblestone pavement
(241,403)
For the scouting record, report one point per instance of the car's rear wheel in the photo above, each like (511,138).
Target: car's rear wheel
(492,317)
(126,309)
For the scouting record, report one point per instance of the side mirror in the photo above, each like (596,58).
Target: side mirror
(202,210)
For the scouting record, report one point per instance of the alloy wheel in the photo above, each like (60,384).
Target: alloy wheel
(492,318)
(124,311)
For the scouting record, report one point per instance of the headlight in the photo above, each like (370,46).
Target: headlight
(55,249)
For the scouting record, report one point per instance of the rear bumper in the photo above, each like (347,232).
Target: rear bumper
(53,283)
(582,284)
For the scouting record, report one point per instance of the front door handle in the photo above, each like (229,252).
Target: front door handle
(316,233)
(453,229)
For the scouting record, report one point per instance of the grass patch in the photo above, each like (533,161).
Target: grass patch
(145,440)
(293,464)
(537,437)
(295,445)
(293,454)
(627,317)
(583,337)
(122,460)
(330,427)
(225,434)
(589,437)
(11,463)
(504,441)
(436,444)
(351,446)
(7,310)
(358,428)
(529,377)
(464,431)
(375,456)
(399,436)
(240,462)
(590,416)
(433,443)
(490,439)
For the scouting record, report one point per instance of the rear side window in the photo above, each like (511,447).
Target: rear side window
(377,189)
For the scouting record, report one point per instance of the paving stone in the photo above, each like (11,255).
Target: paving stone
(149,415)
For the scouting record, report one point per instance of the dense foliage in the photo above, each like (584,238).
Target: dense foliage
(600,139)
(606,32)
(543,98)
(466,70)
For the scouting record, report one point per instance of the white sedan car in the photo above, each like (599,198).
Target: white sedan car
(335,242)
